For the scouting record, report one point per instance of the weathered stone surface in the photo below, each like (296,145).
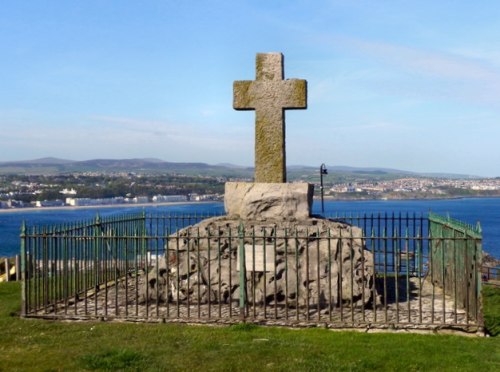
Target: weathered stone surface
(269,95)
(261,201)
(317,262)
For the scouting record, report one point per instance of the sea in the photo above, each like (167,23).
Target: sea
(469,210)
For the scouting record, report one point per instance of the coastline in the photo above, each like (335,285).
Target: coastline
(487,213)
(71,208)
(330,198)
(316,198)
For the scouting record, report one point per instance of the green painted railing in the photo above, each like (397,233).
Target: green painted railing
(425,271)
(455,257)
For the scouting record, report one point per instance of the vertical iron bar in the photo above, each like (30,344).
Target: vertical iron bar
(396,253)
(137,272)
(286,274)
(407,243)
(363,277)
(308,288)
(86,278)
(275,238)
(178,284)
(106,269)
(420,244)
(264,271)
(241,236)
(330,305)
(198,266)
(340,276)
(254,274)
(455,281)
(444,247)
(157,270)
(467,281)
(145,265)
(64,275)
(318,300)
(219,299)
(126,258)
(297,281)
(24,277)
(384,245)
(432,244)
(374,286)
(230,250)
(188,273)
(351,259)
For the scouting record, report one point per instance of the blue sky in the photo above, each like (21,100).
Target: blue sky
(413,85)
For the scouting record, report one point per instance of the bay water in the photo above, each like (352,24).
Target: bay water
(469,210)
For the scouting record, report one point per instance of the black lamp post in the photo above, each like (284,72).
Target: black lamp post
(322,171)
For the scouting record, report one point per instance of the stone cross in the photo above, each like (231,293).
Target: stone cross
(269,95)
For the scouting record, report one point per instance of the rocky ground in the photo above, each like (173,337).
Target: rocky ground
(424,307)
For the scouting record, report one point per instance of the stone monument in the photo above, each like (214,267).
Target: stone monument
(269,95)
(290,257)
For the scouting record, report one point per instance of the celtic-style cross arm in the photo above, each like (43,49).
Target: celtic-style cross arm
(269,95)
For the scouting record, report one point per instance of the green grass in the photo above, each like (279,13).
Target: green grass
(29,344)
(491,299)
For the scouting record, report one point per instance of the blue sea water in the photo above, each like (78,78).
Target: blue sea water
(485,210)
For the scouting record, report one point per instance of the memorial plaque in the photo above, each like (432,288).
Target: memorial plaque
(259,258)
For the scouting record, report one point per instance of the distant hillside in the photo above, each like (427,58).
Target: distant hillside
(295,172)
(47,161)
(61,166)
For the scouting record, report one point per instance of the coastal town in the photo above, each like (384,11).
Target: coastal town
(425,186)
(99,189)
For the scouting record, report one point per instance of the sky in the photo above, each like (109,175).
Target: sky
(411,85)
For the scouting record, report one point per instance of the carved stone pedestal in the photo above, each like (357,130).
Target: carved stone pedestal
(263,201)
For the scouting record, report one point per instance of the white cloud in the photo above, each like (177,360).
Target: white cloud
(422,61)
(123,137)
(144,126)
(468,77)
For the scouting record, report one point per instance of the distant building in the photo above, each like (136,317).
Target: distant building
(81,202)
(206,197)
(49,203)
(169,198)
(68,192)
(140,199)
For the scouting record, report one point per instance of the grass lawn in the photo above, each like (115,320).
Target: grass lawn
(29,344)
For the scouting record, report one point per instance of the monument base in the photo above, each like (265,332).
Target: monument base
(263,201)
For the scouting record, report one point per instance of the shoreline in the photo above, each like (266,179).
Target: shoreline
(105,206)
(150,204)
(411,199)
(18,214)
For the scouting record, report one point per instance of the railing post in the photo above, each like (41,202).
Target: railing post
(143,234)
(7,269)
(241,236)
(479,296)
(24,277)
(17,263)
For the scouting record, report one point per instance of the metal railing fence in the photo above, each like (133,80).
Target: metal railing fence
(389,272)
(456,254)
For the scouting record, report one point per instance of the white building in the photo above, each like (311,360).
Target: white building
(169,198)
(49,203)
(68,192)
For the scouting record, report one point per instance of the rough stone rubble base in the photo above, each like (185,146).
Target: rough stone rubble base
(262,201)
(324,265)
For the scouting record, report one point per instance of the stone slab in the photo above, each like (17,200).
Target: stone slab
(262,201)
(254,258)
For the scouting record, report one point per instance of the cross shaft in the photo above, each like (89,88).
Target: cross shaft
(269,95)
